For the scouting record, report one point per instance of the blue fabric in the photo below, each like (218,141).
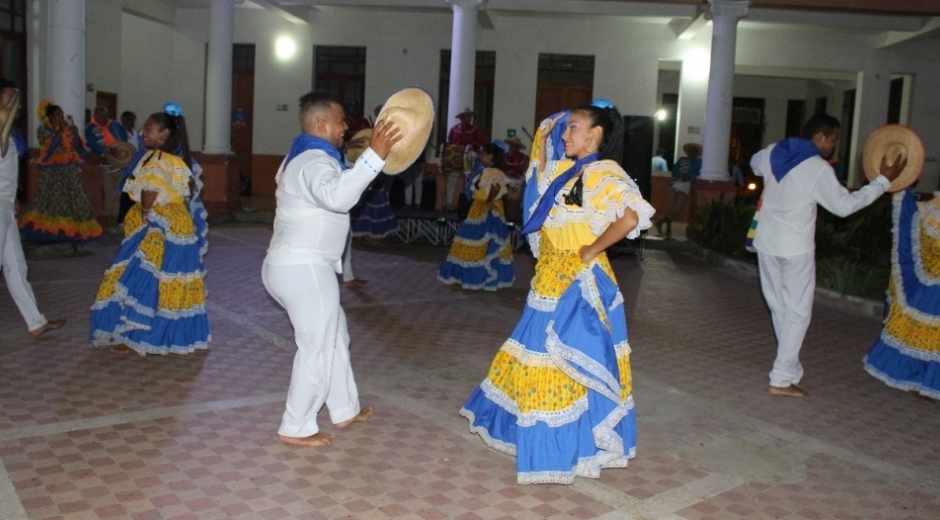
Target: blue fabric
(548,198)
(22,148)
(603,435)
(489,272)
(692,168)
(475,171)
(373,216)
(531,194)
(789,153)
(304,142)
(132,316)
(95,140)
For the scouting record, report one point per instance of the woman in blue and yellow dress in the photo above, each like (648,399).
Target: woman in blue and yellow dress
(907,354)
(152,298)
(481,254)
(558,395)
(61,212)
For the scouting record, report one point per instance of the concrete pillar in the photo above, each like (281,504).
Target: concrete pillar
(219,77)
(718,104)
(65,57)
(872,94)
(463,57)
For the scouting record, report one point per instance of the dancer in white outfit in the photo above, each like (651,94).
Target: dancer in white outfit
(797,177)
(314,196)
(12,260)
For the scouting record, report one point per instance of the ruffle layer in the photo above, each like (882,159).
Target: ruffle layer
(899,370)
(152,298)
(586,423)
(481,254)
(37,227)
(374,217)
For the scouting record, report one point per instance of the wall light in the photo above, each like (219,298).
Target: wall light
(752,186)
(662,114)
(285,47)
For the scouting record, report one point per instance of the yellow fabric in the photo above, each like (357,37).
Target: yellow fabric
(163,173)
(475,252)
(557,266)
(914,333)
(488,178)
(534,388)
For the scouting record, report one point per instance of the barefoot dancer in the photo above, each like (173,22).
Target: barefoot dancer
(314,196)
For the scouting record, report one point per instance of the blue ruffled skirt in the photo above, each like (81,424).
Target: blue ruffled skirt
(907,354)
(152,298)
(558,395)
(373,217)
(481,254)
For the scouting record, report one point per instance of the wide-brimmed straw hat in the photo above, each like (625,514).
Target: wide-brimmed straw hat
(120,154)
(692,149)
(412,111)
(516,141)
(358,144)
(891,141)
(465,111)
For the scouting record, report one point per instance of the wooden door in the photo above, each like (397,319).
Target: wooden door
(243,95)
(554,97)
(108,100)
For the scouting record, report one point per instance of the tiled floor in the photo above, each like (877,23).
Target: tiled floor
(85,434)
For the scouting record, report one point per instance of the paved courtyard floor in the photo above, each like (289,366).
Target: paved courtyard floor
(87,434)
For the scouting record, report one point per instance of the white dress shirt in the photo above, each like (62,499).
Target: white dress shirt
(786,225)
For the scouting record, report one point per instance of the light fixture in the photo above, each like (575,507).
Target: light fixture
(751,186)
(285,47)
(662,114)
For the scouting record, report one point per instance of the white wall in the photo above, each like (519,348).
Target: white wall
(152,63)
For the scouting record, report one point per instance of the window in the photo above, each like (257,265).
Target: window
(342,72)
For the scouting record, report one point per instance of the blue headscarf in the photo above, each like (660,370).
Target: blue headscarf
(789,153)
(305,142)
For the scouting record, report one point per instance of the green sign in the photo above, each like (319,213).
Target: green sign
(511,132)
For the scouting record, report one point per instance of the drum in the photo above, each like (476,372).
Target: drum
(512,203)
(452,159)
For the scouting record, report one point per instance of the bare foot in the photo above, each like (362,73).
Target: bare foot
(789,391)
(361,416)
(50,325)
(355,282)
(317,439)
(121,349)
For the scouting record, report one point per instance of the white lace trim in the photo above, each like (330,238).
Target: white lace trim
(504,447)
(525,356)
(618,301)
(541,303)
(916,227)
(907,386)
(896,344)
(899,293)
(553,419)
(566,356)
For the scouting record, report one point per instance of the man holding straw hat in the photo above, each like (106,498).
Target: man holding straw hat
(797,177)
(314,195)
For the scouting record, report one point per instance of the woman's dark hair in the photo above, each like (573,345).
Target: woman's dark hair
(50,109)
(820,123)
(177,142)
(497,153)
(611,123)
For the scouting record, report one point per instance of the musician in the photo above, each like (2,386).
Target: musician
(463,140)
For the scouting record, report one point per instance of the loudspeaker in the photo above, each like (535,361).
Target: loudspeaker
(638,151)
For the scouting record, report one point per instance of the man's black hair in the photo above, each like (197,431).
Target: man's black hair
(318,97)
(5,84)
(820,123)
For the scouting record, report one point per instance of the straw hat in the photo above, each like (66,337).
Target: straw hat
(7,116)
(358,144)
(412,111)
(890,141)
(692,149)
(516,141)
(464,112)
(120,154)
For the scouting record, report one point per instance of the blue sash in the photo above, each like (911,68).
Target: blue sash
(535,221)
(305,142)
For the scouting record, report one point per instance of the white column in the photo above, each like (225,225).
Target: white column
(219,77)
(718,104)
(872,95)
(463,57)
(65,57)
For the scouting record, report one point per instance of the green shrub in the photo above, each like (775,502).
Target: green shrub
(847,276)
(722,226)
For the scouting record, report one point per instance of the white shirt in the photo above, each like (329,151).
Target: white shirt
(9,173)
(314,196)
(133,137)
(660,165)
(786,225)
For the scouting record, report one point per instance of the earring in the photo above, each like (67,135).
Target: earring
(590,138)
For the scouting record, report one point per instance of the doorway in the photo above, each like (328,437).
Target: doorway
(243,105)
(564,81)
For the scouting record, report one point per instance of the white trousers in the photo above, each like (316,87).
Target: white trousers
(788,284)
(413,178)
(322,373)
(13,264)
(348,275)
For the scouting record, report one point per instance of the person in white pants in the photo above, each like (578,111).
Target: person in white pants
(797,177)
(12,260)
(311,224)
